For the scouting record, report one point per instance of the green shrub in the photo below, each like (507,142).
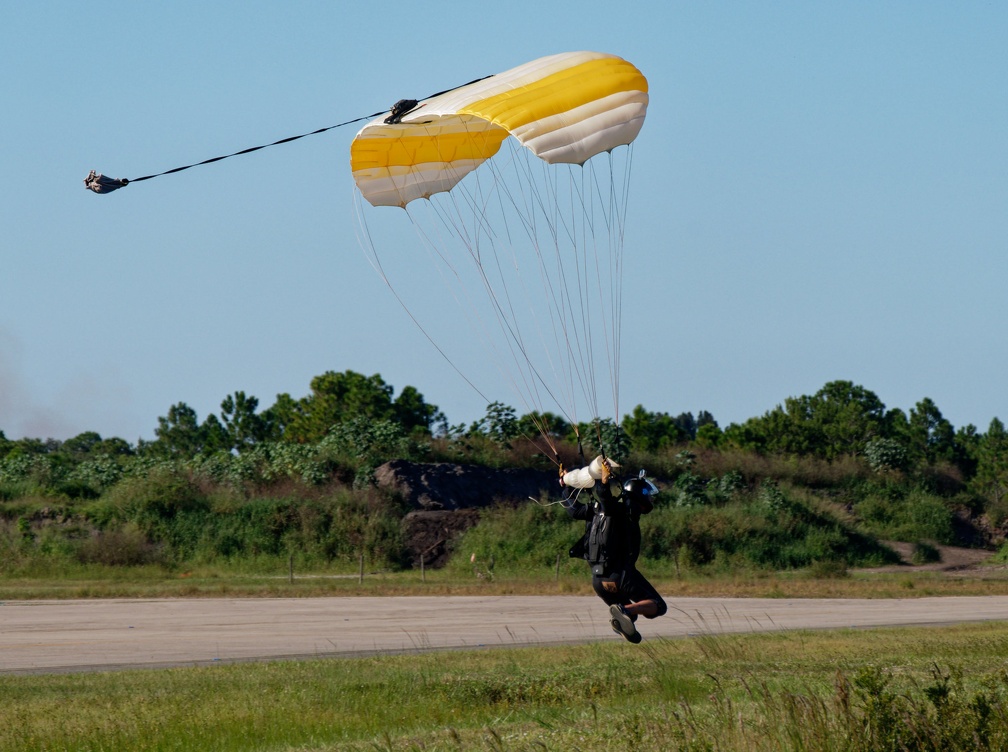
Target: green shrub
(156,497)
(917,515)
(122,547)
(688,490)
(937,716)
(925,553)
(745,533)
(525,537)
(886,454)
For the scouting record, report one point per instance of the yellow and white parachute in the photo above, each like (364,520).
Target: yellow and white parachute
(565,109)
(524,177)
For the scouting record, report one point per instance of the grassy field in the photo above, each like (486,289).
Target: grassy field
(150,582)
(916,689)
(926,688)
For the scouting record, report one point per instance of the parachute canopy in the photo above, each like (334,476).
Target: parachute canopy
(523,236)
(564,108)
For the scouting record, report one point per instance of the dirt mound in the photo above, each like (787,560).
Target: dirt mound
(950,558)
(446,500)
(431,534)
(442,485)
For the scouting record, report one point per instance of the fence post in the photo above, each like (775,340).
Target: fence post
(557,576)
(423,572)
(361,580)
(290,569)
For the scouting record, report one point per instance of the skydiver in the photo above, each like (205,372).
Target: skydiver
(612,540)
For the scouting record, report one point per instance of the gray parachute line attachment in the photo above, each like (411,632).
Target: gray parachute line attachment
(102,184)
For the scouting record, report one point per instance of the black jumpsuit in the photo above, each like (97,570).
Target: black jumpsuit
(619,581)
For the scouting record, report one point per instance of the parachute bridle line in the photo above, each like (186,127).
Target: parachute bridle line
(99,184)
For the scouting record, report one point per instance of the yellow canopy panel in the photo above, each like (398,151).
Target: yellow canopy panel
(564,108)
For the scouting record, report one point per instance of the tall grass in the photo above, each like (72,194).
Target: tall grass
(912,689)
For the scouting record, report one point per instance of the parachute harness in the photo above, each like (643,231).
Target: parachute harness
(102,184)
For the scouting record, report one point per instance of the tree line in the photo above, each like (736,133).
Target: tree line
(841,419)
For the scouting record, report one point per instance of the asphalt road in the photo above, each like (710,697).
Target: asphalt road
(82,635)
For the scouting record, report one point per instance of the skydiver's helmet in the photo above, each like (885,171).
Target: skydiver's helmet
(642,491)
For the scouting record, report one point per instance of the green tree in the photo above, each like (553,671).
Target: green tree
(991,478)
(842,418)
(82,445)
(179,434)
(930,436)
(242,426)
(604,436)
(705,418)
(966,448)
(413,413)
(839,419)
(113,447)
(214,437)
(648,431)
(553,426)
(709,435)
(336,397)
(499,423)
(283,414)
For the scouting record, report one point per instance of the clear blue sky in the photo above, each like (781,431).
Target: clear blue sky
(820,192)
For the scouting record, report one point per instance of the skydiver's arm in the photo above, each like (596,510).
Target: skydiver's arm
(578,511)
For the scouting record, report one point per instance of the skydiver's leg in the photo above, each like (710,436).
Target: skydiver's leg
(648,609)
(641,597)
(608,588)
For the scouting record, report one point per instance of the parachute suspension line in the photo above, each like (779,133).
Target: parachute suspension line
(559,299)
(526,208)
(624,204)
(528,219)
(372,254)
(576,338)
(583,340)
(614,279)
(614,221)
(508,318)
(582,359)
(454,221)
(547,276)
(593,310)
(477,201)
(538,203)
(452,218)
(535,382)
(556,290)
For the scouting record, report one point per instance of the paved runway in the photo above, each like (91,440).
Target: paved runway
(51,636)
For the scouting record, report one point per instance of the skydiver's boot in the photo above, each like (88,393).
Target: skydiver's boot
(622,624)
